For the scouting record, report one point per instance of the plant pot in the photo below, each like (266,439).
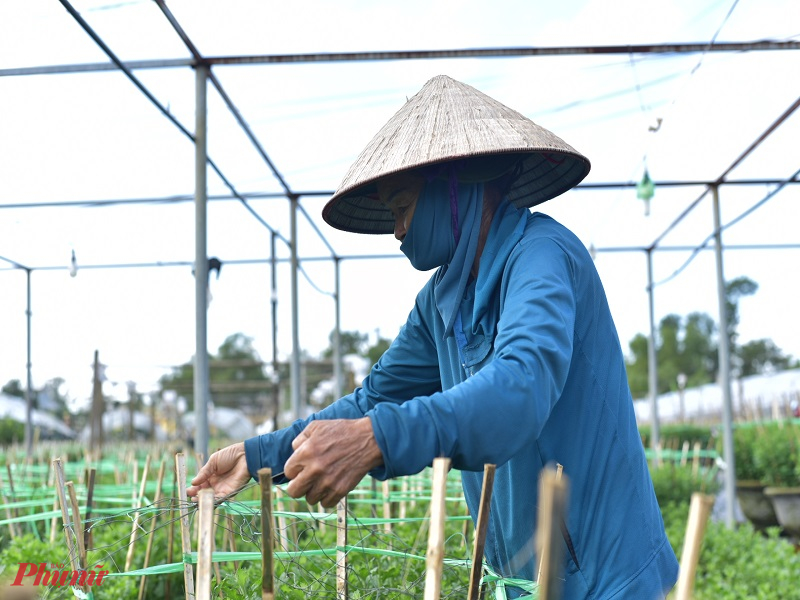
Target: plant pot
(755,505)
(786,502)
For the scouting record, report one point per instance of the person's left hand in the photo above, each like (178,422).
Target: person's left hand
(330,459)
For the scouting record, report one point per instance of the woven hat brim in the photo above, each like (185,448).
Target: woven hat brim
(451,121)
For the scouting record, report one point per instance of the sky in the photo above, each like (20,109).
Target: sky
(66,138)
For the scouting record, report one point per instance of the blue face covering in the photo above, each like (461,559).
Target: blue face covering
(440,236)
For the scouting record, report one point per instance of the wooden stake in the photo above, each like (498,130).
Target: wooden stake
(434,560)
(12,529)
(695,528)
(87,534)
(553,491)
(142,582)
(387,506)
(404,491)
(481,528)
(76,516)
(14,513)
(342,590)
(696,459)
(229,532)
(186,541)
(62,499)
(54,522)
(267,568)
(559,471)
(283,530)
(685,453)
(205,516)
(137,505)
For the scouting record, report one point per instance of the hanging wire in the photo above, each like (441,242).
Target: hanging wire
(722,228)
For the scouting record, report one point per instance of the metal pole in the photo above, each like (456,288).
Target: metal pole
(724,372)
(29,384)
(652,365)
(337,337)
(274,302)
(295,319)
(201,386)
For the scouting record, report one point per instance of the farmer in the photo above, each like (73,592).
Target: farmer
(509,355)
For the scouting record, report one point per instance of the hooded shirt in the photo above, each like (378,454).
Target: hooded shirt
(522,369)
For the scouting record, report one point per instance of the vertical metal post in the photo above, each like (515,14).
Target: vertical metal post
(200,267)
(274,302)
(29,384)
(295,316)
(652,363)
(724,372)
(337,337)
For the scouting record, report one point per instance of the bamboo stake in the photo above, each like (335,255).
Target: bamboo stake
(87,534)
(283,531)
(137,506)
(12,529)
(76,516)
(59,468)
(11,489)
(559,471)
(321,522)
(696,459)
(186,542)
(684,453)
(434,559)
(342,590)
(204,543)
(217,568)
(170,544)
(54,522)
(232,541)
(553,491)
(481,529)
(142,582)
(387,506)
(695,528)
(401,511)
(135,478)
(267,577)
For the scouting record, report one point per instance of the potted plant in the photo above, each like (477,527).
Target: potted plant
(777,454)
(755,505)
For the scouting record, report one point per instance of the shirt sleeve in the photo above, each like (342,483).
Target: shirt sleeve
(511,398)
(407,369)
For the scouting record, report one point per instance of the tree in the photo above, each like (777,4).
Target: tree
(352,342)
(14,388)
(691,346)
(682,346)
(236,375)
(761,356)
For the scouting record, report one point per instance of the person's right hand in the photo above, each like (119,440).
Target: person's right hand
(225,472)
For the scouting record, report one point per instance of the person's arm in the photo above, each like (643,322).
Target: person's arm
(407,369)
(511,398)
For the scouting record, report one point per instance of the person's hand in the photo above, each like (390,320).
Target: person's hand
(330,459)
(225,472)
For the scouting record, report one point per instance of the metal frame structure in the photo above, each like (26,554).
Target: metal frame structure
(204,74)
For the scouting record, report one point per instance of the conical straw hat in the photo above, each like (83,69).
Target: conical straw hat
(448,121)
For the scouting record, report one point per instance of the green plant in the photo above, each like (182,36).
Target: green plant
(11,431)
(675,484)
(777,455)
(676,434)
(743,563)
(744,442)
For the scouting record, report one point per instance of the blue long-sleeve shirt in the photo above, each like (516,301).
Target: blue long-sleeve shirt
(550,387)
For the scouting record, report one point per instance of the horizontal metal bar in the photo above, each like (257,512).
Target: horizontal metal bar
(326,57)
(327,194)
